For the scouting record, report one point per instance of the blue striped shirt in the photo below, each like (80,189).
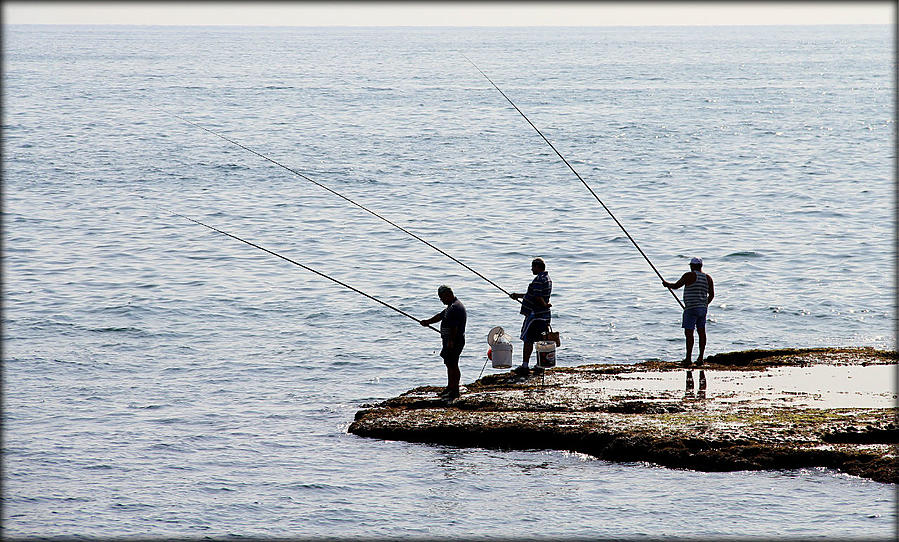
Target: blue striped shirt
(541,286)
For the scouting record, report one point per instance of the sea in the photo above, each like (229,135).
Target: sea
(165,380)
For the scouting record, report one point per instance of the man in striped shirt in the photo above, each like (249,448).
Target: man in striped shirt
(698,293)
(535,308)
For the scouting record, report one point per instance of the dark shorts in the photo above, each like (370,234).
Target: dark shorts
(451,356)
(534,331)
(694,317)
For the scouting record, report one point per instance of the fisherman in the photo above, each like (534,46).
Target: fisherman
(535,308)
(698,293)
(452,334)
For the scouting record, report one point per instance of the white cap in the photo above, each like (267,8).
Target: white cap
(696,261)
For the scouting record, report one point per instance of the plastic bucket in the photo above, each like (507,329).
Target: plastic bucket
(497,334)
(502,355)
(546,354)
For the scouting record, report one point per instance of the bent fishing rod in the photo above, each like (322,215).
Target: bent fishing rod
(341,196)
(306,267)
(579,178)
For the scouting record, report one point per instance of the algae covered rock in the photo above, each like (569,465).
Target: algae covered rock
(775,409)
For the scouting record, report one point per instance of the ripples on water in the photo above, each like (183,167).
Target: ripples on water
(163,379)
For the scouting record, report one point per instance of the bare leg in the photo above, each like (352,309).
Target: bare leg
(701,331)
(688,334)
(453,375)
(526,353)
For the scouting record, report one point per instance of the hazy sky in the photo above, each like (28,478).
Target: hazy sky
(448,13)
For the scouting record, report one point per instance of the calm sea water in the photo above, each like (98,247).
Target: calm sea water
(161,379)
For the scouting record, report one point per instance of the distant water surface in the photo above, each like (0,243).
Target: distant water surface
(161,379)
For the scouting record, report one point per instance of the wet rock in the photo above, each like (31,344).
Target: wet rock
(643,407)
(772,409)
(871,435)
(798,356)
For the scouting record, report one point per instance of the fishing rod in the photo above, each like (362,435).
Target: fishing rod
(320,185)
(306,267)
(579,177)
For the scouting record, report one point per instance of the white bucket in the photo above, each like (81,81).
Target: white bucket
(502,355)
(546,354)
(497,334)
(500,348)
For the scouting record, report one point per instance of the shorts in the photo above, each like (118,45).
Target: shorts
(694,317)
(532,329)
(451,357)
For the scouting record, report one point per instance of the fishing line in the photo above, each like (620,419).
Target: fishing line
(306,267)
(482,370)
(366,209)
(579,177)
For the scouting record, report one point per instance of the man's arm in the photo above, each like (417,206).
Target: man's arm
(688,278)
(432,320)
(540,300)
(711,290)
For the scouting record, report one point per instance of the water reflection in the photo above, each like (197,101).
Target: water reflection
(703,384)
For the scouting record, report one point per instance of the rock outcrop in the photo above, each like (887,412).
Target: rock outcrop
(757,409)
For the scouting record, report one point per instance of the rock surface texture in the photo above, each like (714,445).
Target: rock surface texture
(776,409)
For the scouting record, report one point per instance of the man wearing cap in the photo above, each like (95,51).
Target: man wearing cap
(535,308)
(452,334)
(698,293)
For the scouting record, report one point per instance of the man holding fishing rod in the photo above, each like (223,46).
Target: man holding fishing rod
(535,308)
(698,293)
(452,334)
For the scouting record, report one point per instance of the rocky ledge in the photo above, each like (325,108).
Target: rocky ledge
(750,410)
